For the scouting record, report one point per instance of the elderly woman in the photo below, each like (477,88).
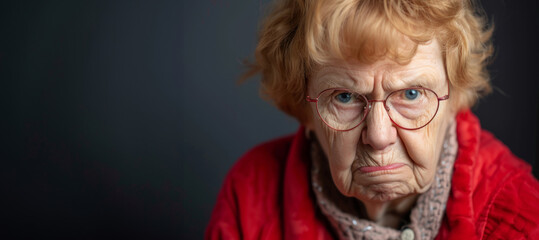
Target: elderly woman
(388,148)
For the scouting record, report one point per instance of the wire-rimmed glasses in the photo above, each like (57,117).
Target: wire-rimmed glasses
(410,108)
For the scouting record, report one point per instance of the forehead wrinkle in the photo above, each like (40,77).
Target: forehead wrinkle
(327,78)
(428,79)
(359,81)
(420,76)
(341,77)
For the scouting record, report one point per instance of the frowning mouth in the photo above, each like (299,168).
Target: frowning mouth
(368,169)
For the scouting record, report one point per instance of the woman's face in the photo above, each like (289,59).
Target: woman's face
(378,161)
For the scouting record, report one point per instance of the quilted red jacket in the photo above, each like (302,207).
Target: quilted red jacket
(267,194)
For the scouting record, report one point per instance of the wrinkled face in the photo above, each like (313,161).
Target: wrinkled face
(378,161)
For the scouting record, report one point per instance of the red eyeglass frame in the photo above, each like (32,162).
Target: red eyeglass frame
(369,102)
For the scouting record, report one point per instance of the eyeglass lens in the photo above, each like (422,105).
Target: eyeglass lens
(408,108)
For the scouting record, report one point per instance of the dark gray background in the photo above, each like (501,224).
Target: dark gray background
(123,117)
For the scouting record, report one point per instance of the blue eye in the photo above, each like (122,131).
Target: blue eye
(411,94)
(344,97)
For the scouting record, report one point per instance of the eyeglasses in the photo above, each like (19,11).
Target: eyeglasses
(408,108)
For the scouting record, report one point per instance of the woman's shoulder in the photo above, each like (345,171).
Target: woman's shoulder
(510,192)
(248,205)
(260,170)
(266,157)
(482,155)
(492,188)
(514,211)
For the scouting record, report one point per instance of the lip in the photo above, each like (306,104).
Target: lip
(380,168)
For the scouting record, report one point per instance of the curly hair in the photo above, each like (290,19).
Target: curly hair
(299,35)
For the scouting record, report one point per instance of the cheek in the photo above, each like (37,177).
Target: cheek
(424,145)
(339,147)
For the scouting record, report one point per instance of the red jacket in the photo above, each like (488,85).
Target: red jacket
(267,194)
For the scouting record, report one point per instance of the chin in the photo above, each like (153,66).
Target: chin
(384,192)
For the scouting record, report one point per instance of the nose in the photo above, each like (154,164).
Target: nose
(379,131)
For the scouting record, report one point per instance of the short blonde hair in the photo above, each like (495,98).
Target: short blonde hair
(299,35)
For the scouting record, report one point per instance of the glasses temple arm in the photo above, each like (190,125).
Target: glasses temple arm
(309,99)
(446,96)
(443,98)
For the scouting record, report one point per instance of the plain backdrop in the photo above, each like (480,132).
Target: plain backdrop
(121,118)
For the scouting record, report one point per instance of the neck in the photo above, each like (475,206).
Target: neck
(390,214)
